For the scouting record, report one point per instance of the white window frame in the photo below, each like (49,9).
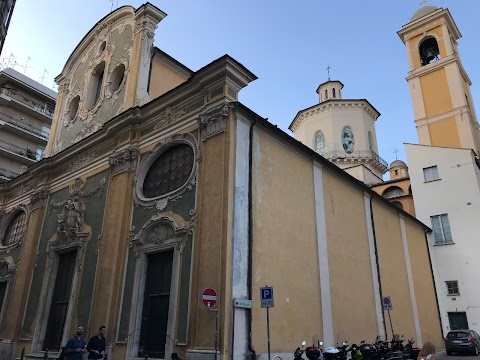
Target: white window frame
(454,284)
(430,173)
(442,228)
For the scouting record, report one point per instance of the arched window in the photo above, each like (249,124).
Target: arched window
(95,86)
(169,172)
(393,192)
(348,140)
(326,94)
(370,140)
(334,95)
(429,51)
(319,143)
(398,204)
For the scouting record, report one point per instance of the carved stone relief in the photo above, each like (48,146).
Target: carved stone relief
(168,116)
(82,160)
(123,161)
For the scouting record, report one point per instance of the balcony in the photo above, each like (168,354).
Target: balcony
(22,128)
(7,175)
(17,153)
(11,95)
(359,156)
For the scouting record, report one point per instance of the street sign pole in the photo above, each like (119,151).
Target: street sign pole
(391,325)
(216,331)
(268,334)
(266,301)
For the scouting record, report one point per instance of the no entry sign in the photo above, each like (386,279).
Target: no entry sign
(209,297)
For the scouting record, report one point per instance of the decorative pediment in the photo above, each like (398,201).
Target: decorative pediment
(159,230)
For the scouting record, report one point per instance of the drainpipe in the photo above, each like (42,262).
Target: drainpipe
(372,219)
(433,279)
(250,237)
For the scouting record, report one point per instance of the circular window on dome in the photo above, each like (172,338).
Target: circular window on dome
(169,172)
(16,229)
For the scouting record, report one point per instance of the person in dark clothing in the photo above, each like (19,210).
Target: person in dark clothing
(75,347)
(96,344)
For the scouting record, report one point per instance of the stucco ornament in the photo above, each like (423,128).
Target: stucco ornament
(214,121)
(71,218)
(168,116)
(38,199)
(124,161)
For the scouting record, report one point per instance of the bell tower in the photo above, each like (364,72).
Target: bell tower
(439,85)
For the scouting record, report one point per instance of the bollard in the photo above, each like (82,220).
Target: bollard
(22,355)
(45,356)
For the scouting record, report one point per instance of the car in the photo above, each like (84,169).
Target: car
(462,341)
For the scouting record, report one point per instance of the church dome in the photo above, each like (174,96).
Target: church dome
(398,163)
(425,10)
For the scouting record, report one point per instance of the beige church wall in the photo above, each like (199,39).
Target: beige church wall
(353,311)
(393,271)
(163,79)
(210,227)
(424,286)
(23,276)
(444,133)
(436,93)
(285,252)
(416,40)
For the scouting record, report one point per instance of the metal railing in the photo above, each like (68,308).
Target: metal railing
(25,152)
(9,174)
(21,124)
(358,154)
(46,109)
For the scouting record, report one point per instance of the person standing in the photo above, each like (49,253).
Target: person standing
(75,347)
(427,352)
(96,344)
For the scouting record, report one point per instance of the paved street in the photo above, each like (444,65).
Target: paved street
(444,356)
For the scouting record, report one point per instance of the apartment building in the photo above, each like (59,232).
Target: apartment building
(6,11)
(26,112)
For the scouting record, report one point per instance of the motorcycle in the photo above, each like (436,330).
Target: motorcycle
(297,354)
(411,352)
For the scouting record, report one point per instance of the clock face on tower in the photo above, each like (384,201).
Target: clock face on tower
(348,140)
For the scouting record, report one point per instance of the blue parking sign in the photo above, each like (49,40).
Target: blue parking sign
(266,297)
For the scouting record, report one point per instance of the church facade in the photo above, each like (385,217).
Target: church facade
(158,183)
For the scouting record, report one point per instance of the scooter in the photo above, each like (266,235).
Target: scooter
(297,354)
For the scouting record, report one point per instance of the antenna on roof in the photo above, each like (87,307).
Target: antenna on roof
(112,1)
(26,65)
(43,76)
(423,2)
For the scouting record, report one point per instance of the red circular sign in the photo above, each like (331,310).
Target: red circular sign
(209,298)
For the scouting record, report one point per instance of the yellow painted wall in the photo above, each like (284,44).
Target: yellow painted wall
(393,272)
(436,93)
(415,41)
(444,133)
(424,286)
(163,79)
(353,302)
(285,247)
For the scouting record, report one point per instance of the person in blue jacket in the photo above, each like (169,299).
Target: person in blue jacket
(76,346)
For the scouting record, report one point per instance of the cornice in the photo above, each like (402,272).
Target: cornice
(426,22)
(442,63)
(333,105)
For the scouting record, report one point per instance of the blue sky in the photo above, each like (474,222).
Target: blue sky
(287,44)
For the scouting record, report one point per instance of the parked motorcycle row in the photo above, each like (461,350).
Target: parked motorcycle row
(377,350)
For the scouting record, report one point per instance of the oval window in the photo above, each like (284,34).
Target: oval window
(73,108)
(116,78)
(169,172)
(16,229)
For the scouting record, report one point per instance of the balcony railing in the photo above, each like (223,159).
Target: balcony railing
(20,124)
(45,109)
(358,154)
(9,174)
(25,152)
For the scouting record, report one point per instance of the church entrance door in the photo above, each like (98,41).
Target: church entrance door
(156,304)
(60,300)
